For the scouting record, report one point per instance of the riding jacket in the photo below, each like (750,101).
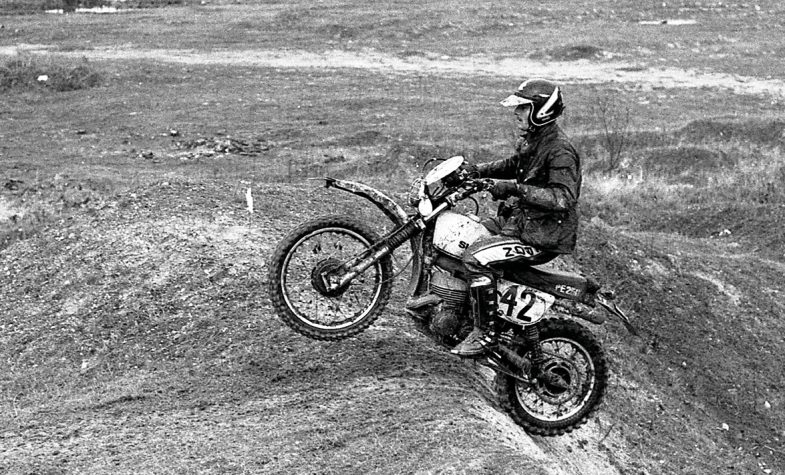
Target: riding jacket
(547,171)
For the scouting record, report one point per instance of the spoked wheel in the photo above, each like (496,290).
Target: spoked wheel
(300,279)
(570,387)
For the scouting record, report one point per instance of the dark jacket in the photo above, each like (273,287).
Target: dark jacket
(548,175)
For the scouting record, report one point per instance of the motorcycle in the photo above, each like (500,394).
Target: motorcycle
(331,277)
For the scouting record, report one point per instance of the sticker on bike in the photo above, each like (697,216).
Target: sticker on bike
(504,251)
(522,304)
(519,251)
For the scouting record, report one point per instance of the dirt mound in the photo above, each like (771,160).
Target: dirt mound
(761,132)
(685,164)
(745,224)
(570,53)
(146,327)
(692,300)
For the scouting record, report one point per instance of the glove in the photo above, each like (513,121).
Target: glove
(502,189)
(471,169)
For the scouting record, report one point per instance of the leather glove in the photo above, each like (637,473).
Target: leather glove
(472,169)
(502,189)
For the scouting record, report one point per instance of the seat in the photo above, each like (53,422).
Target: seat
(561,284)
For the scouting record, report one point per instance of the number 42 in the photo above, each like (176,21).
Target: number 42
(510,298)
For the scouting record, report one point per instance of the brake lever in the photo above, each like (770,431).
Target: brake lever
(480,184)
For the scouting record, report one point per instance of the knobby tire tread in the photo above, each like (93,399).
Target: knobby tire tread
(505,385)
(276,269)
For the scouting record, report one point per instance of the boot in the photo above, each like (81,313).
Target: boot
(484,308)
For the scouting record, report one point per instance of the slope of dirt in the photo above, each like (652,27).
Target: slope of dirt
(139,338)
(710,314)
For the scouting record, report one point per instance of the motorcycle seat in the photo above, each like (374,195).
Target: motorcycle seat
(561,284)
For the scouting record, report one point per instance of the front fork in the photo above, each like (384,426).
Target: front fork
(378,251)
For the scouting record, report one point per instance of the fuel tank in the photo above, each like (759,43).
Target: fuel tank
(455,232)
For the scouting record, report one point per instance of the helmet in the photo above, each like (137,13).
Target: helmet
(544,97)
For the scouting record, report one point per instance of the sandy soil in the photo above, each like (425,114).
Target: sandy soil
(581,71)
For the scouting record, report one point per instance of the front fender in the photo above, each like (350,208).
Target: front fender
(387,205)
(394,212)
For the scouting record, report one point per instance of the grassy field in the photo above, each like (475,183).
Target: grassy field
(135,334)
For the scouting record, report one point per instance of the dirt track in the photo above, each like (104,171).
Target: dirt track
(582,71)
(321,405)
(253,396)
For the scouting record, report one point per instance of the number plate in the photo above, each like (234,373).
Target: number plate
(521,304)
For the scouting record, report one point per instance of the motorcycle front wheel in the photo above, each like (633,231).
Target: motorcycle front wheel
(570,391)
(297,289)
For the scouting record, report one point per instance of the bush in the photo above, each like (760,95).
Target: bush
(29,72)
(613,116)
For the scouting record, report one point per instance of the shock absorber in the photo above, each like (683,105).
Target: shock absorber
(532,337)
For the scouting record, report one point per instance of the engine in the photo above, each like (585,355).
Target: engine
(452,290)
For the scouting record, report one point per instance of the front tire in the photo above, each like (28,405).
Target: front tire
(304,303)
(576,358)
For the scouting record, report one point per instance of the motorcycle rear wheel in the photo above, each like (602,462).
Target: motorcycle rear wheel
(298,294)
(576,358)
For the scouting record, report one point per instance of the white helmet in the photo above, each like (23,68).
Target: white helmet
(545,98)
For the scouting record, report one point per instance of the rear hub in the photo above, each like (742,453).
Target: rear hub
(554,385)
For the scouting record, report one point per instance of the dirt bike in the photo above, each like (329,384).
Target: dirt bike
(331,277)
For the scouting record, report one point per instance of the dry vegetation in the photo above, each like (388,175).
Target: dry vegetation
(26,72)
(134,333)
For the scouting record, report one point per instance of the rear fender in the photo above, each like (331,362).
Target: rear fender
(606,301)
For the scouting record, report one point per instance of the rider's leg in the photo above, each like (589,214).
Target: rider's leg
(482,290)
(480,260)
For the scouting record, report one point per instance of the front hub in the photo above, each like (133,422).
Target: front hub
(319,274)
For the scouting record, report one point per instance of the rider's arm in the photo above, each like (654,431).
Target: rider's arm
(503,169)
(561,191)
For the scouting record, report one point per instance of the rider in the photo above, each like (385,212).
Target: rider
(541,183)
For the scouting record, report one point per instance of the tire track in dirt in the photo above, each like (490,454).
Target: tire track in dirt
(581,71)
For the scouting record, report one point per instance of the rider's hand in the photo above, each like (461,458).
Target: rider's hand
(471,169)
(502,189)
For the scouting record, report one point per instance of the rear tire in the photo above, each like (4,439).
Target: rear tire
(305,305)
(573,353)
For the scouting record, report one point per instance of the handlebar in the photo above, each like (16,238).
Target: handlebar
(469,187)
(473,185)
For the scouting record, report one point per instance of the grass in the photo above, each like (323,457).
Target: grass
(27,71)
(131,276)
